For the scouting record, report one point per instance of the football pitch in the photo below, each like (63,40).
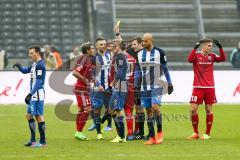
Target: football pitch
(61,144)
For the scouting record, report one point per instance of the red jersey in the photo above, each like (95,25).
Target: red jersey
(203,67)
(85,67)
(130,73)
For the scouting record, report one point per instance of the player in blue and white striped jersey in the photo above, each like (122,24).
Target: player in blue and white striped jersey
(35,99)
(99,96)
(153,64)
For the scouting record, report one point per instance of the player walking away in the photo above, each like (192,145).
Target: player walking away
(35,99)
(152,63)
(203,84)
(103,59)
(119,83)
(84,73)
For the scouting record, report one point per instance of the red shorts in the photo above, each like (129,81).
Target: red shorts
(130,99)
(83,99)
(203,94)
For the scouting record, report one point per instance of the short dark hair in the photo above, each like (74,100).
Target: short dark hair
(138,39)
(205,40)
(85,47)
(99,39)
(36,47)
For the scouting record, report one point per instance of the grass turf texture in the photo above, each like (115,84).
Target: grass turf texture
(225,142)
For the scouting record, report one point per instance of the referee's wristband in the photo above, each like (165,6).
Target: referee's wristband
(117,34)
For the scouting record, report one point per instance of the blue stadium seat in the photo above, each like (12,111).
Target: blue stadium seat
(9,41)
(19,13)
(7,20)
(30,34)
(55,27)
(67,40)
(19,27)
(30,6)
(19,34)
(65,4)
(43,26)
(53,5)
(43,13)
(42,5)
(19,6)
(67,33)
(65,13)
(44,40)
(55,34)
(7,34)
(53,20)
(7,13)
(20,40)
(77,13)
(56,41)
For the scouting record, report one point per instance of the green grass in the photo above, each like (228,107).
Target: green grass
(225,142)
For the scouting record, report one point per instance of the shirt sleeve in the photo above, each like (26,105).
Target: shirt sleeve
(220,58)
(81,61)
(192,56)
(40,70)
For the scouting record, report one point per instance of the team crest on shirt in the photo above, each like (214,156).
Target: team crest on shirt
(209,58)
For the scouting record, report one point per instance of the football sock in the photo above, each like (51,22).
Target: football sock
(195,121)
(159,122)
(97,121)
(105,116)
(41,129)
(136,123)
(141,123)
(81,120)
(150,122)
(116,123)
(109,120)
(32,127)
(129,120)
(209,121)
(121,126)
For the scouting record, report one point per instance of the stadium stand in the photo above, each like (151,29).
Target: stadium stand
(174,24)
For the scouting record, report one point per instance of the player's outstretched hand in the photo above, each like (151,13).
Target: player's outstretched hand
(170,89)
(196,45)
(17,65)
(217,43)
(28,98)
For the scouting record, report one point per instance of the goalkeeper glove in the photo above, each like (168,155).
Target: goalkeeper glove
(196,45)
(217,43)
(17,65)
(28,98)
(170,89)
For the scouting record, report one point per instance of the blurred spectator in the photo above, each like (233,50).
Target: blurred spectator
(57,56)
(73,57)
(235,57)
(110,46)
(49,58)
(3,59)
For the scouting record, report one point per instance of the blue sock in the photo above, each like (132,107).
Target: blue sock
(121,126)
(116,123)
(150,122)
(97,121)
(159,123)
(32,127)
(41,129)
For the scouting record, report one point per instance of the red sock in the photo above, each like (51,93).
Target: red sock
(209,121)
(195,121)
(81,120)
(129,119)
(136,123)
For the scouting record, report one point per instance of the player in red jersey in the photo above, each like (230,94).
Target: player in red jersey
(203,84)
(84,73)
(130,99)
